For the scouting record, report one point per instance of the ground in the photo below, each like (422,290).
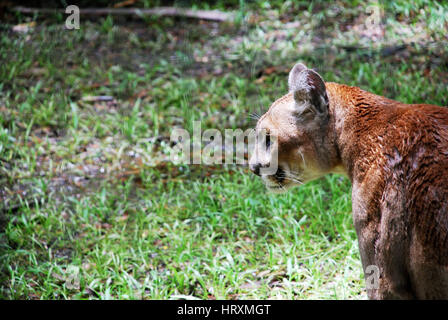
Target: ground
(91,208)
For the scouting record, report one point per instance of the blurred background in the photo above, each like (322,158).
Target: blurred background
(90,206)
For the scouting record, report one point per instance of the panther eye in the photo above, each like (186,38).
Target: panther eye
(268,140)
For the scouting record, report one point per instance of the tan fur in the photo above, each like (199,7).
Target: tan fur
(396,156)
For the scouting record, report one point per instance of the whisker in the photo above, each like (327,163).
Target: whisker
(260,109)
(254,116)
(291,177)
(303,158)
(295,180)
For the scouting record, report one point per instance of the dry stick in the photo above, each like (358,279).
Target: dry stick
(214,15)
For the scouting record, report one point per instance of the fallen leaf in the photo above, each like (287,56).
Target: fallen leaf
(124,3)
(270,70)
(97,98)
(24,27)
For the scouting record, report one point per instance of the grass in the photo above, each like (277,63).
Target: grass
(91,209)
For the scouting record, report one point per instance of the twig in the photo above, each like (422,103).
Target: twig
(214,15)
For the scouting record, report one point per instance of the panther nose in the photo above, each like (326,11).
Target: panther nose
(255,168)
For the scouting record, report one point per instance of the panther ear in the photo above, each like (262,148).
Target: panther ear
(308,86)
(293,75)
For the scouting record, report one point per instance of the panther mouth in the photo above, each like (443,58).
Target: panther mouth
(276,182)
(279,176)
(276,188)
(280,182)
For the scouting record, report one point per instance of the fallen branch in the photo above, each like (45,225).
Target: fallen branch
(214,15)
